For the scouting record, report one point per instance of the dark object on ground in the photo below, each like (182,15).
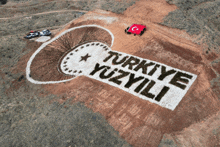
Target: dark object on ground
(21,78)
(136,29)
(32,34)
(45,33)
(3,2)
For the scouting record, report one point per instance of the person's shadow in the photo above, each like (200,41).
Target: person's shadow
(3,1)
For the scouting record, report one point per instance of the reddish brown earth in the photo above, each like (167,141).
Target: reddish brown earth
(140,122)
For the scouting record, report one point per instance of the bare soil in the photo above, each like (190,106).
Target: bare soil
(194,122)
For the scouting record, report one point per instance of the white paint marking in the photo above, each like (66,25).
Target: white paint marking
(28,71)
(84,59)
(135,27)
(43,39)
(162,85)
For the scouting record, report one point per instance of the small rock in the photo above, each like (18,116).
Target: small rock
(21,77)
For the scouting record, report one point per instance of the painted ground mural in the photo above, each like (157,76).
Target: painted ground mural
(95,83)
(149,80)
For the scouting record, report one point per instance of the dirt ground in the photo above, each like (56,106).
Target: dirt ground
(86,112)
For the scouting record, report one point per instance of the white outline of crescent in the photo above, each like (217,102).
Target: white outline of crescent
(134,27)
(28,71)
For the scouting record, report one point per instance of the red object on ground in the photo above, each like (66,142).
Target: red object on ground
(136,29)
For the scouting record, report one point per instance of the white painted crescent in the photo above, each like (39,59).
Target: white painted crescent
(28,70)
(134,28)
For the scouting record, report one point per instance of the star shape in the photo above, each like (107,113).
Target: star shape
(85,57)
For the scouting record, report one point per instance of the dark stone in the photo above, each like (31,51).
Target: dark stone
(3,2)
(21,78)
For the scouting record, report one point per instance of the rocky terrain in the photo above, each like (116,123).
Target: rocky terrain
(61,114)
